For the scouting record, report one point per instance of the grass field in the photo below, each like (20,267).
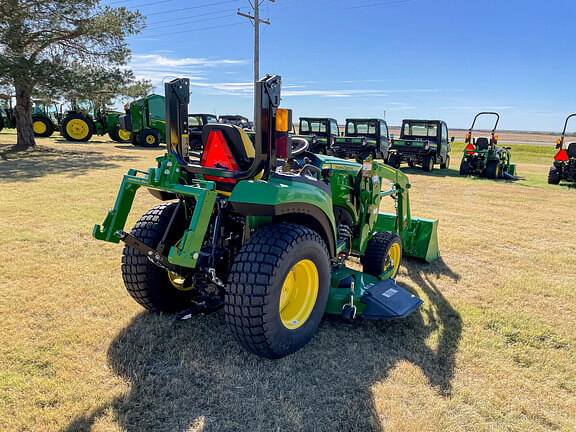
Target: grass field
(491,349)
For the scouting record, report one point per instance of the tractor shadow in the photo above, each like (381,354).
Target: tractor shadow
(193,376)
(18,166)
(161,147)
(449,172)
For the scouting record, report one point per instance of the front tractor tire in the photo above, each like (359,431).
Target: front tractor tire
(383,255)
(119,135)
(277,290)
(77,127)
(151,286)
(149,138)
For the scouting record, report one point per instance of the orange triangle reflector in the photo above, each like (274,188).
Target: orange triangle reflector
(217,154)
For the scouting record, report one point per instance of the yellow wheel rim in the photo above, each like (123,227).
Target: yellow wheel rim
(39,127)
(124,135)
(77,129)
(150,139)
(299,293)
(394,257)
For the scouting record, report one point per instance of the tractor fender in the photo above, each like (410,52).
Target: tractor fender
(295,202)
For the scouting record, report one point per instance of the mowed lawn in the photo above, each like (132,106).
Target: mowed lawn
(491,349)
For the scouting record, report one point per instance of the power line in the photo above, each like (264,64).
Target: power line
(190,16)
(190,30)
(199,6)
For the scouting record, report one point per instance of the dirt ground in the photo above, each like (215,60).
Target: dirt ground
(491,349)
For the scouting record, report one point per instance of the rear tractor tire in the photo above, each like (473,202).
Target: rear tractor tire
(42,127)
(428,163)
(464,168)
(383,254)
(493,170)
(554,176)
(119,135)
(77,127)
(151,286)
(277,290)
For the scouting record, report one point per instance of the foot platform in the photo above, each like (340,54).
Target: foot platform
(387,300)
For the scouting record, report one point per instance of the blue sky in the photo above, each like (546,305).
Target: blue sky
(444,59)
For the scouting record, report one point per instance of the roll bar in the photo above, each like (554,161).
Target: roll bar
(266,100)
(485,113)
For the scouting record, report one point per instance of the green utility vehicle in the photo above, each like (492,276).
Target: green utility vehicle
(7,116)
(145,119)
(266,230)
(236,120)
(364,137)
(319,131)
(564,167)
(483,158)
(422,142)
(87,118)
(46,118)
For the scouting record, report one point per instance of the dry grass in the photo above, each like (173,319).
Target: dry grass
(492,348)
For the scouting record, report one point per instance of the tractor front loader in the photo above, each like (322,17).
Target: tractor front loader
(265,230)
(88,118)
(482,157)
(564,167)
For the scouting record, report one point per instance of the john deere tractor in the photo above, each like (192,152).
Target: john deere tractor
(483,158)
(45,118)
(564,167)
(7,116)
(146,120)
(87,118)
(266,230)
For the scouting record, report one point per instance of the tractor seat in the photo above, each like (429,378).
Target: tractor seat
(228,147)
(482,143)
(571,150)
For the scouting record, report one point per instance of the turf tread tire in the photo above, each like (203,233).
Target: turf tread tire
(255,283)
(464,168)
(492,170)
(376,255)
(554,176)
(428,163)
(147,283)
(446,163)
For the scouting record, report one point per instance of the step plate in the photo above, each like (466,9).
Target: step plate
(387,300)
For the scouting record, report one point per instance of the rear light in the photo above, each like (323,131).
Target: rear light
(127,106)
(426,146)
(333,141)
(559,143)
(314,140)
(561,156)
(470,149)
(364,141)
(468,136)
(495,139)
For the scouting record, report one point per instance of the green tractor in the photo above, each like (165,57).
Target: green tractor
(564,167)
(87,118)
(265,230)
(146,119)
(483,158)
(46,118)
(7,116)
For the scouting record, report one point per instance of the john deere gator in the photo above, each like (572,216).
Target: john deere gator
(364,137)
(319,132)
(266,230)
(422,142)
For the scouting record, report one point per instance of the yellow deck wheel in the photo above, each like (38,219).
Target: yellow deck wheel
(39,127)
(394,257)
(77,129)
(299,293)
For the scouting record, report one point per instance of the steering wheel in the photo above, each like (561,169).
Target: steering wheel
(299,146)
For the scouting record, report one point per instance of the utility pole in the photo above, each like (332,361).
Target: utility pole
(256,22)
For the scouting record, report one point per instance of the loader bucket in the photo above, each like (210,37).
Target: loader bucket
(419,239)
